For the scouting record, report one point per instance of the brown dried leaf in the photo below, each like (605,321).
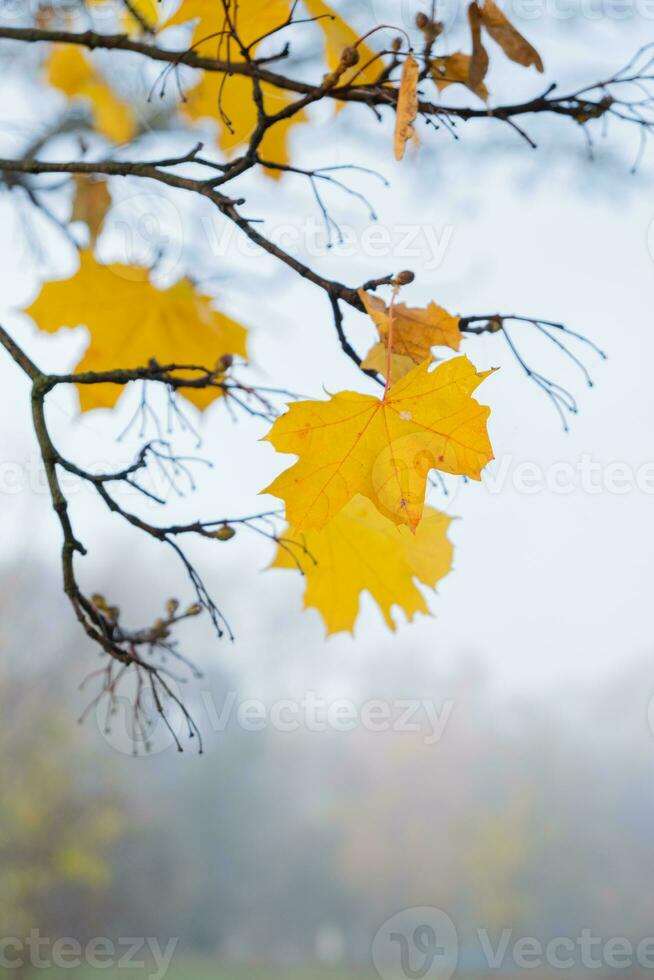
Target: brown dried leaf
(91,202)
(415,330)
(455,68)
(478,65)
(511,41)
(407,106)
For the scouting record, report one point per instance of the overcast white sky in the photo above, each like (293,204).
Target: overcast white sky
(548,587)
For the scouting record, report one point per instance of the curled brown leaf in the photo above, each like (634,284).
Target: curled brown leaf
(407,106)
(511,41)
(478,65)
(453,68)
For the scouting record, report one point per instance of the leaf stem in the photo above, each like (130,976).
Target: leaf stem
(389,347)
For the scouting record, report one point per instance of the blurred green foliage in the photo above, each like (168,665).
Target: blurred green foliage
(57,821)
(207,969)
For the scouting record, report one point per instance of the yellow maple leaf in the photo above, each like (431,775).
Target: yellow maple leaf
(148,10)
(511,41)
(415,330)
(338,36)
(70,70)
(130,322)
(455,68)
(230,102)
(383,448)
(358,551)
(377,360)
(252,19)
(407,106)
(229,99)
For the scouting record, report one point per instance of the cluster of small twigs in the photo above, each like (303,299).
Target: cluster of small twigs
(562,399)
(626,96)
(136,649)
(155,680)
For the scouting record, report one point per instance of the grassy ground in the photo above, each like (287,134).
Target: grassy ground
(185,969)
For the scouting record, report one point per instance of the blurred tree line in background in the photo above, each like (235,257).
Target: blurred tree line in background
(288,847)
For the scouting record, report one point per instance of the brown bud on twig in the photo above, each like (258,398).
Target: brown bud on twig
(224,363)
(159,630)
(396,44)
(350,57)
(224,533)
(404,278)
(430,28)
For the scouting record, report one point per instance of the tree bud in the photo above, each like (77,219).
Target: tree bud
(350,57)
(404,278)
(224,533)
(224,363)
